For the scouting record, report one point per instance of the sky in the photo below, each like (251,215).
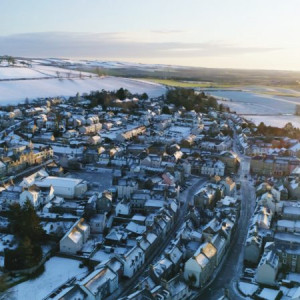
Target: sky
(250,34)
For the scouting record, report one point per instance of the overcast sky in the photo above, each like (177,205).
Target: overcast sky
(259,34)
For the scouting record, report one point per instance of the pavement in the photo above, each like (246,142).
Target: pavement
(27,172)
(100,176)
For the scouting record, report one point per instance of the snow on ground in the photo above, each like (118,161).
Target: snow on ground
(278,121)
(39,71)
(40,81)
(19,72)
(52,71)
(272,110)
(245,102)
(14,92)
(101,176)
(57,271)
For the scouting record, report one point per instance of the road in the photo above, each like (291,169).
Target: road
(187,196)
(27,172)
(232,267)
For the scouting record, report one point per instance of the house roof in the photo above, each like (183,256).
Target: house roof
(97,279)
(114,235)
(202,260)
(136,228)
(59,182)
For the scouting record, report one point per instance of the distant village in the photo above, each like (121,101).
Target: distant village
(148,197)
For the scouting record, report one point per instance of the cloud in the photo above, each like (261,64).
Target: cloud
(115,45)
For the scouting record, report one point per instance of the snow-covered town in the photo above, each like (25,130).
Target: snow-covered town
(134,196)
(114,195)
(149,150)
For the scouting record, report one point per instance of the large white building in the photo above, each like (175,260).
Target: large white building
(63,187)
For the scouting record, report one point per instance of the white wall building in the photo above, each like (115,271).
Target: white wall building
(133,261)
(267,269)
(74,239)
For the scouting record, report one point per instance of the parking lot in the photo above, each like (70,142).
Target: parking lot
(100,177)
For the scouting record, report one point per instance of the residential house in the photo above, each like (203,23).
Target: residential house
(73,240)
(100,283)
(133,260)
(126,186)
(267,268)
(97,223)
(199,268)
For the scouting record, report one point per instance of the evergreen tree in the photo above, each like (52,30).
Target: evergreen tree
(33,229)
(25,225)
(144,96)
(24,222)
(166,110)
(122,94)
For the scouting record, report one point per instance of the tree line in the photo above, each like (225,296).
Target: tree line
(10,60)
(107,98)
(287,131)
(199,102)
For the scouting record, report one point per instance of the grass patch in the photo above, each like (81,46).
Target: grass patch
(187,84)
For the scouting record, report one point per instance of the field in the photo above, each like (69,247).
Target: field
(57,271)
(186,84)
(258,107)
(282,94)
(17,84)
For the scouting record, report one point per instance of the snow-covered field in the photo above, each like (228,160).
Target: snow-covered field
(38,71)
(247,102)
(14,92)
(16,73)
(278,121)
(272,110)
(40,81)
(57,271)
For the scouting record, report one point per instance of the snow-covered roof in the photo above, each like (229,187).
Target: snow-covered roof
(58,182)
(134,227)
(269,294)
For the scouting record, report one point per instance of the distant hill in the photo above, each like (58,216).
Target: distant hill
(287,79)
